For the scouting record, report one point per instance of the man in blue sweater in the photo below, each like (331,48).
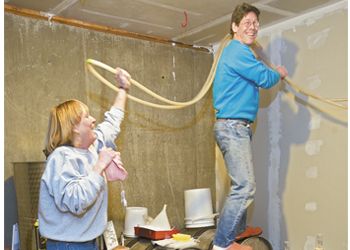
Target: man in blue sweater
(239,76)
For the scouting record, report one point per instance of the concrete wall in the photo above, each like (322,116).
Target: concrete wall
(165,152)
(300,145)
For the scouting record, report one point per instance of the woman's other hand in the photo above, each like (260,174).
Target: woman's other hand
(105,157)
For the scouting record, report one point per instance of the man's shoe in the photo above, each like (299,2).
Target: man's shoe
(249,232)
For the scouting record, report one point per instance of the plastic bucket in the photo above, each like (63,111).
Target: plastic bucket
(198,208)
(134,216)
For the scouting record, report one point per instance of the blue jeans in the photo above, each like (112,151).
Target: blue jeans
(234,140)
(62,245)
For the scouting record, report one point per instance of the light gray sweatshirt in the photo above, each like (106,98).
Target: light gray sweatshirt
(73,199)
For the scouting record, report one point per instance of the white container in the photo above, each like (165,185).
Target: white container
(134,216)
(199,223)
(198,208)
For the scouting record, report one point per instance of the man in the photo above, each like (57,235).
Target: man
(239,76)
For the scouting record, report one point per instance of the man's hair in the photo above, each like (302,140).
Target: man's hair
(240,11)
(62,120)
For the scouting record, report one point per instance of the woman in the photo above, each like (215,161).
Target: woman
(73,190)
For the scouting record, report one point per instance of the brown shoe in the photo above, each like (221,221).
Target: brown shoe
(249,232)
(236,246)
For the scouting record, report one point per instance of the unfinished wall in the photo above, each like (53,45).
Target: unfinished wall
(300,145)
(165,152)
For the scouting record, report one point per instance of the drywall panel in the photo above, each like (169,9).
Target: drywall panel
(165,152)
(300,144)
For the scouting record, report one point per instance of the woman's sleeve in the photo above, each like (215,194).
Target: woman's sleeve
(71,190)
(108,130)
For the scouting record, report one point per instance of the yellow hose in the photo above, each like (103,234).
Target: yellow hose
(172,104)
(306,93)
(203,91)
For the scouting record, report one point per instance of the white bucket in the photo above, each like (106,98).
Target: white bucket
(198,208)
(134,216)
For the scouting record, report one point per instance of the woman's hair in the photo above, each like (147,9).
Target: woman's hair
(240,11)
(62,120)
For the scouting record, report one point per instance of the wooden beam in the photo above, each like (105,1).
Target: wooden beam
(73,22)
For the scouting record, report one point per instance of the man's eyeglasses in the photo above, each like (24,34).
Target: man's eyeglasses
(248,24)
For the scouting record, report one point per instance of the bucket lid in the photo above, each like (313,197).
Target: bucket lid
(200,224)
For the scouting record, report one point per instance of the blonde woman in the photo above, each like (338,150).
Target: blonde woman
(73,191)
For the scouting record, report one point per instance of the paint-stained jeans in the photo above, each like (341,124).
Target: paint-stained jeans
(234,140)
(61,245)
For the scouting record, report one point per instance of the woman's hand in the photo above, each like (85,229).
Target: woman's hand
(123,78)
(104,159)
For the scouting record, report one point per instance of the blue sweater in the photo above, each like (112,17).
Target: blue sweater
(239,75)
(73,198)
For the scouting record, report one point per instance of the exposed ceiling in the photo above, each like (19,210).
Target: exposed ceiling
(194,22)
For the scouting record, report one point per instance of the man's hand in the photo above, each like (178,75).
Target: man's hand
(282,71)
